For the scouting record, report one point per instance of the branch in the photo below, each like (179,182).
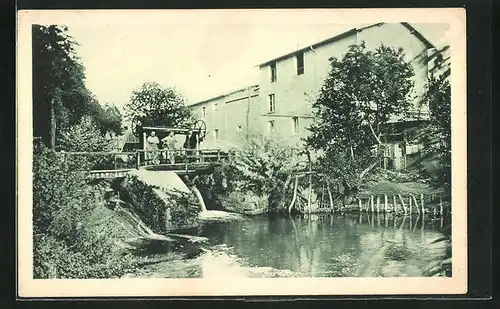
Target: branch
(369,168)
(374,134)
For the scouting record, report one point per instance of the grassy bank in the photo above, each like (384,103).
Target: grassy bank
(78,232)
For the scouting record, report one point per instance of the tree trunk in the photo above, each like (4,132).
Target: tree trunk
(330,196)
(377,157)
(52,124)
(287,183)
(294,198)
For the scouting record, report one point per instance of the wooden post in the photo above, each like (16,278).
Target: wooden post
(310,187)
(441,205)
(404,149)
(187,159)
(422,203)
(371,203)
(410,205)
(360,207)
(367,205)
(385,203)
(138,159)
(378,204)
(330,196)
(292,203)
(309,195)
(402,203)
(144,147)
(422,228)
(416,203)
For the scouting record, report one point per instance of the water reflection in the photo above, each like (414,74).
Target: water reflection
(327,245)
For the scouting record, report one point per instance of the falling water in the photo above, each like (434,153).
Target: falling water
(200,199)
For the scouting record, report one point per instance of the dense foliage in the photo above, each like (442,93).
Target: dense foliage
(59,84)
(154,105)
(261,168)
(436,137)
(85,136)
(362,91)
(69,241)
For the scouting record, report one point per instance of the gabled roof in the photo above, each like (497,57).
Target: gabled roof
(346,34)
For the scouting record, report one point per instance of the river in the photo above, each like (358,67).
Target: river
(326,245)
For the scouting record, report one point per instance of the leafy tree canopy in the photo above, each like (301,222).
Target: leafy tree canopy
(59,78)
(154,105)
(436,137)
(359,96)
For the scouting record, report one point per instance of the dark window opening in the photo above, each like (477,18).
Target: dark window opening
(273,72)
(300,63)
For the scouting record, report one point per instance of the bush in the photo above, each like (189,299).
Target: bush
(68,240)
(86,136)
(260,168)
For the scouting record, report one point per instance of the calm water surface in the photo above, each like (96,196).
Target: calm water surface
(312,246)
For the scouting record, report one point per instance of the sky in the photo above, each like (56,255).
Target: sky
(200,60)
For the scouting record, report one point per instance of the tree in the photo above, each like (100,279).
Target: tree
(59,93)
(261,168)
(154,105)
(362,91)
(60,97)
(436,137)
(108,118)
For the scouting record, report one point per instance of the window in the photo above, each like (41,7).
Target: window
(272,103)
(273,72)
(295,128)
(300,63)
(216,106)
(216,135)
(204,111)
(270,126)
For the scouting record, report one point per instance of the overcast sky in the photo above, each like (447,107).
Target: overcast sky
(200,60)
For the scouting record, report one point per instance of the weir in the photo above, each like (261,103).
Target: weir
(163,179)
(169,180)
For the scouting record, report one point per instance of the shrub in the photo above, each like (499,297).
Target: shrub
(86,136)
(261,167)
(68,240)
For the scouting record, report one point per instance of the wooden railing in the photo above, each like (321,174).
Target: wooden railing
(184,159)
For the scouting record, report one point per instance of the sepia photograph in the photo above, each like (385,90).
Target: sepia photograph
(241,152)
